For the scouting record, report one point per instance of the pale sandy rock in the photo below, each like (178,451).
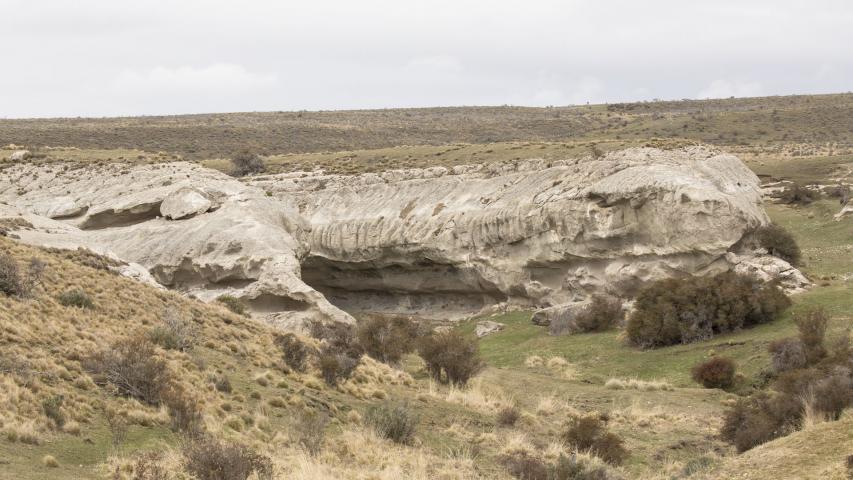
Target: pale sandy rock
(527,233)
(487,327)
(767,267)
(184,202)
(846,211)
(565,313)
(440,242)
(19,155)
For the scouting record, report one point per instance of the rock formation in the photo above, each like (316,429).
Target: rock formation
(433,242)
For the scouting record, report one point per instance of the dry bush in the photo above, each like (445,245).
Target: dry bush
(246,163)
(11,280)
(233,303)
(76,297)
(508,415)
(590,433)
(795,194)
(760,418)
(717,372)
(310,431)
(147,466)
(672,311)
(221,383)
(50,461)
(339,337)
(636,384)
(779,243)
(524,466)
(393,421)
(52,408)
(812,327)
(185,411)
(132,367)
(294,351)
(336,366)
(605,312)
(208,458)
(787,354)
(387,339)
(834,393)
(175,333)
(575,468)
(450,357)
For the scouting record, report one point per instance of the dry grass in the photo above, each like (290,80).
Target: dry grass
(636,384)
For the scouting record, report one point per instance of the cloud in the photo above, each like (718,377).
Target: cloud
(728,88)
(436,64)
(219,77)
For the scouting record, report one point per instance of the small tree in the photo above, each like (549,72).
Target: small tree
(387,340)
(246,163)
(718,372)
(450,357)
(812,326)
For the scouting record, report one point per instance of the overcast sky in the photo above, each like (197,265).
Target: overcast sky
(117,57)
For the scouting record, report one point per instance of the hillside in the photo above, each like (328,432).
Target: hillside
(810,119)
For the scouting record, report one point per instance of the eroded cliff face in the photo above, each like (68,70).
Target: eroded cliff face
(431,242)
(446,242)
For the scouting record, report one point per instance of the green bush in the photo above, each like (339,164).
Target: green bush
(52,407)
(76,298)
(590,433)
(717,372)
(450,357)
(673,311)
(387,339)
(779,242)
(234,304)
(605,312)
(394,421)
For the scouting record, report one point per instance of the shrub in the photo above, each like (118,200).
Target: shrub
(787,354)
(76,298)
(759,419)
(132,367)
(812,327)
(508,415)
(717,372)
(574,468)
(387,339)
(672,311)
(311,431)
(590,433)
(339,337)
(222,383)
(450,357)
(233,303)
(147,466)
(11,281)
(524,466)
(174,334)
(336,366)
(797,195)
(185,412)
(49,461)
(779,243)
(210,459)
(52,407)
(834,393)
(246,163)
(294,351)
(603,313)
(393,421)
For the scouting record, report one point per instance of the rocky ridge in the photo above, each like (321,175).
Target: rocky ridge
(434,242)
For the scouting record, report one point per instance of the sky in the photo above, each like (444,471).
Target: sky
(152,57)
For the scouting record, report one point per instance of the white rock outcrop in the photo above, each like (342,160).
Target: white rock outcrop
(19,155)
(437,242)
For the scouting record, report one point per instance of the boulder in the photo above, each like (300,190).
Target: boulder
(565,313)
(184,203)
(19,155)
(487,327)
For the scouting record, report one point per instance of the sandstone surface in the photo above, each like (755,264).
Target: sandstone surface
(437,242)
